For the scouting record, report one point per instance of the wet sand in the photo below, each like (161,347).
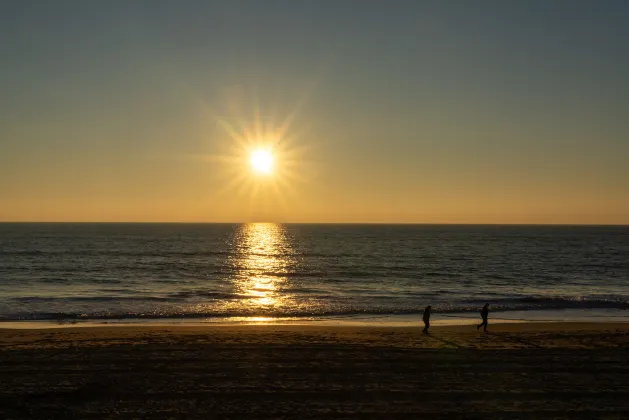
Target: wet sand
(517,371)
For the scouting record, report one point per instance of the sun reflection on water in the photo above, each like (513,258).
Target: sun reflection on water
(264,259)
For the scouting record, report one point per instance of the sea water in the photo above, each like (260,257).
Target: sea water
(268,272)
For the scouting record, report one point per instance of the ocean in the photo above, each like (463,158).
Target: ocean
(264,272)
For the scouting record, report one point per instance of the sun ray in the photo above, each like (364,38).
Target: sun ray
(288,120)
(229,129)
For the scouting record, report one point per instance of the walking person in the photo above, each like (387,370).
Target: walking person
(427,312)
(484,313)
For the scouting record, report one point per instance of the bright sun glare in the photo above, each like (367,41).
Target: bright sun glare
(262,161)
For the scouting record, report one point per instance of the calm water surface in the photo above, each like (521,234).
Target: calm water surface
(207,271)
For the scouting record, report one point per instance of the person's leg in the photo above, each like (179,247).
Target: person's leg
(485,325)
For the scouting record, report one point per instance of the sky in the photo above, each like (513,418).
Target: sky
(384,112)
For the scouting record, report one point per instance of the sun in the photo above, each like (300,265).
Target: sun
(261,161)
(263,156)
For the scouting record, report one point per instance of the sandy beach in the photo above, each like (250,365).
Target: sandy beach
(517,371)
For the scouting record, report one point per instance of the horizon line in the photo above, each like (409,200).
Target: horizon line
(318,223)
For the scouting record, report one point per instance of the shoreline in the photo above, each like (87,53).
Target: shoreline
(495,326)
(504,336)
(371,320)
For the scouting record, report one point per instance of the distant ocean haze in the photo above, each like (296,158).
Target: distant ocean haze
(198,271)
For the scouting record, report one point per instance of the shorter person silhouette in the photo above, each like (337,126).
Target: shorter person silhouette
(484,313)
(427,312)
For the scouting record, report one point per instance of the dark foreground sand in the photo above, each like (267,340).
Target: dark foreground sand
(518,371)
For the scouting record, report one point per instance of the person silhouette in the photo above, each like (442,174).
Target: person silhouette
(484,313)
(427,312)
